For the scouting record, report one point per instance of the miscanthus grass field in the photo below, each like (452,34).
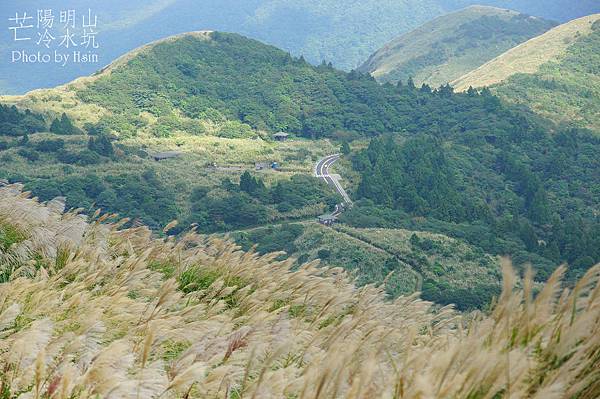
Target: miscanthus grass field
(90,309)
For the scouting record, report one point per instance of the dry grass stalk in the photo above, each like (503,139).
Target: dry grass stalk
(101,313)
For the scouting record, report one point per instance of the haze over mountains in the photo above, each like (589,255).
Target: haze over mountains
(556,74)
(342,32)
(452,45)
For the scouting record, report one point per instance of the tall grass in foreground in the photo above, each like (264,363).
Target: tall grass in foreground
(90,310)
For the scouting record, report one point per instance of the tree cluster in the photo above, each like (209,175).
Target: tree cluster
(64,125)
(251,203)
(14,122)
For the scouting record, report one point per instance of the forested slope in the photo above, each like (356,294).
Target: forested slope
(220,76)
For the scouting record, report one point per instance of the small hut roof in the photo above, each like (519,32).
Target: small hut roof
(327,217)
(167,154)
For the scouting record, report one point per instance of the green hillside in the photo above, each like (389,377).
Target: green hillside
(230,86)
(566,90)
(452,45)
(445,270)
(520,196)
(555,74)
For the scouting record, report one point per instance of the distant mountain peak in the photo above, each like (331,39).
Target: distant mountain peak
(480,7)
(555,74)
(528,56)
(201,34)
(452,45)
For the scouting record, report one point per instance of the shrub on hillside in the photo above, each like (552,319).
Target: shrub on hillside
(64,125)
(29,154)
(50,145)
(235,130)
(81,158)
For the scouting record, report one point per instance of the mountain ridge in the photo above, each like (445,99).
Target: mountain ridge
(453,44)
(545,47)
(555,74)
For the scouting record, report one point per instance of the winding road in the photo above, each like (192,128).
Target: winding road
(322,171)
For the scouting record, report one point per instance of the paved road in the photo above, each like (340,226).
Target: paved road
(322,171)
